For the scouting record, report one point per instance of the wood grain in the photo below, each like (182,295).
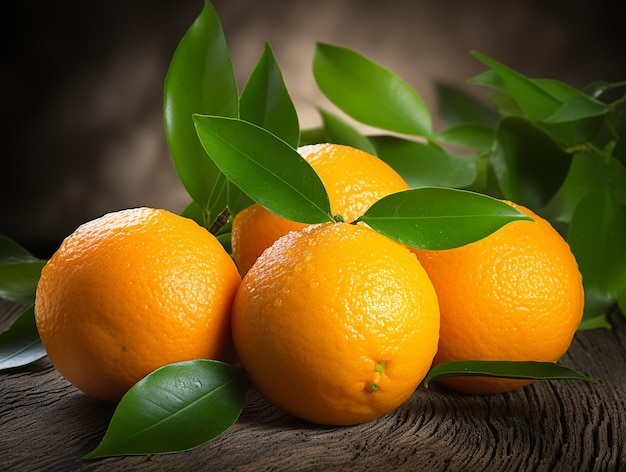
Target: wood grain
(47,425)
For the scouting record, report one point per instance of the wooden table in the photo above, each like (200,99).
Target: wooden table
(47,425)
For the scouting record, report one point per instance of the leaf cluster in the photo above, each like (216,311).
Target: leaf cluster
(541,143)
(538,142)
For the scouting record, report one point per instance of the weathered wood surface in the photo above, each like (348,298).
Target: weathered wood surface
(47,425)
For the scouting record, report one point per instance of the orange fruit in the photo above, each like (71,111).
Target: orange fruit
(515,295)
(354,180)
(130,292)
(336,324)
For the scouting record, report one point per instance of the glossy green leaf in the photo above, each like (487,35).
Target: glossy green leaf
(265,100)
(20,344)
(175,408)
(225,240)
(200,79)
(457,107)
(470,135)
(193,211)
(499,98)
(534,101)
(562,134)
(266,168)
(425,164)
(588,172)
(531,370)
(488,79)
(529,166)
(218,198)
(597,237)
(18,280)
(19,272)
(597,88)
(313,136)
(589,131)
(575,105)
(238,200)
(485,181)
(370,93)
(340,132)
(439,218)
(505,105)
(594,322)
(12,251)
(545,100)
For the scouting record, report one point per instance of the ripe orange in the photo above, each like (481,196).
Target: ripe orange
(336,324)
(132,291)
(515,295)
(354,180)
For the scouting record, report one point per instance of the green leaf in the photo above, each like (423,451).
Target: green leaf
(225,240)
(265,100)
(266,168)
(313,136)
(531,370)
(488,79)
(11,251)
(439,218)
(18,280)
(597,88)
(533,100)
(340,132)
(529,166)
(369,93)
(485,181)
(425,164)
(470,135)
(457,107)
(575,105)
(238,200)
(175,408)
(19,272)
(505,105)
(200,79)
(20,344)
(597,237)
(500,98)
(588,172)
(543,100)
(194,212)
(594,322)
(218,199)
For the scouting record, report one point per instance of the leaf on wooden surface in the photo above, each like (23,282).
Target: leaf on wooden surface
(20,344)
(504,369)
(175,408)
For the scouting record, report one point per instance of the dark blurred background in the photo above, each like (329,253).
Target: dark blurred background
(81,83)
